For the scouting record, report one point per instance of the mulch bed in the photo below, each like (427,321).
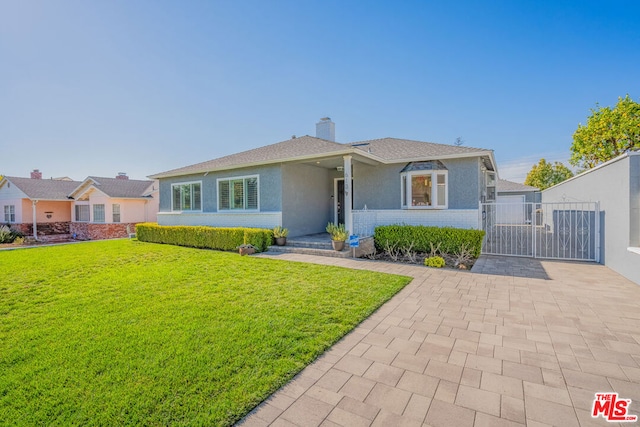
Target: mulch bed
(418,259)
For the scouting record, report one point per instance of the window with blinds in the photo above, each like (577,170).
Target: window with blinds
(98,213)
(186,196)
(82,213)
(238,193)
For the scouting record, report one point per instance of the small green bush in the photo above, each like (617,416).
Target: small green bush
(337,232)
(5,234)
(224,239)
(8,234)
(434,261)
(420,238)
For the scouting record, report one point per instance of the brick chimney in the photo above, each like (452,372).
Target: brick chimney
(36,174)
(122,175)
(326,129)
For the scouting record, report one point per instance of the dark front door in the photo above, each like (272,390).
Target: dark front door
(340,200)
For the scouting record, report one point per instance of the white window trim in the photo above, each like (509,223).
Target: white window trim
(187,183)
(232,178)
(113,205)
(93,213)
(434,189)
(75,217)
(12,212)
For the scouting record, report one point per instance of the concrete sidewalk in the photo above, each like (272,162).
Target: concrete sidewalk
(465,349)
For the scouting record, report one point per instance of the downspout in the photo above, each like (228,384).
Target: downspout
(35,223)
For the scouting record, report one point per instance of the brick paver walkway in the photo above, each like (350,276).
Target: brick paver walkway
(465,349)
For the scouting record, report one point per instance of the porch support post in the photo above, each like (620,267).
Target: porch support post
(348,208)
(35,222)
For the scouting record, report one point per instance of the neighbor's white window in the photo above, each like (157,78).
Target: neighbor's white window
(425,189)
(186,196)
(10,213)
(98,213)
(238,193)
(116,212)
(82,213)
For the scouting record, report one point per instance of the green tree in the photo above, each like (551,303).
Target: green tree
(609,132)
(545,174)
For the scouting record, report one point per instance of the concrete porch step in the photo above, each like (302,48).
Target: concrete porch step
(290,249)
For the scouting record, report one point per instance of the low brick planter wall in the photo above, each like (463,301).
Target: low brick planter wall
(44,228)
(89,231)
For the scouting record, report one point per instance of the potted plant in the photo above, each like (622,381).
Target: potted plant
(338,235)
(280,234)
(246,249)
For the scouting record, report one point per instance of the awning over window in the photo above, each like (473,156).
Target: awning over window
(431,165)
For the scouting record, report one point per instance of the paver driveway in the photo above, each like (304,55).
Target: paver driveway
(464,349)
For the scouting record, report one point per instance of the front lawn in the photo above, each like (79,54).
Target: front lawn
(125,332)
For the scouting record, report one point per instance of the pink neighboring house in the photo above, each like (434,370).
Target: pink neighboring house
(96,208)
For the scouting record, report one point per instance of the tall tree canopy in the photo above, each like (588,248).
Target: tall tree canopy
(608,133)
(545,174)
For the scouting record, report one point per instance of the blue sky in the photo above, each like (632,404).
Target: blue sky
(100,87)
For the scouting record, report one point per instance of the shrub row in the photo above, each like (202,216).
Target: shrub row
(224,239)
(451,239)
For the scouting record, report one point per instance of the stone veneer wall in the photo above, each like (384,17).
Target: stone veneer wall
(44,228)
(89,231)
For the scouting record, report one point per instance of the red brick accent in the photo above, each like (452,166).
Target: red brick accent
(90,231)
(36,174)
(44,228)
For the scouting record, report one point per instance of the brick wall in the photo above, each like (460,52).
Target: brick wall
(44,229)
(89,231)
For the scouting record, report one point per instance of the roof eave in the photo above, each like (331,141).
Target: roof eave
(348,151)
(445,157)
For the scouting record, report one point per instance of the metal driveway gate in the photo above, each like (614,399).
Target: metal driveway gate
(564,230)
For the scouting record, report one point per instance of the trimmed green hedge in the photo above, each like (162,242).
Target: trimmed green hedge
(224,239)
(450,239)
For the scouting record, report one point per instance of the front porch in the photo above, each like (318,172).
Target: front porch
(320,244)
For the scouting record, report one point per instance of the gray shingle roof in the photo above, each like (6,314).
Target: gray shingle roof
(44,189)
(509,186)
(385,149)
(121,188)
(405,149)
(292,148)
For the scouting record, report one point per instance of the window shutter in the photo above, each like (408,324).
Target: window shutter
(177,204)
(442,190)
(223,195)
(197,197)
(238,193)
(252,193)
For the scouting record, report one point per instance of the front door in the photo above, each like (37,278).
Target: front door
(339,200)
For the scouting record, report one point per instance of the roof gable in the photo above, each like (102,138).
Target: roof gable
(114,188)
(44,189)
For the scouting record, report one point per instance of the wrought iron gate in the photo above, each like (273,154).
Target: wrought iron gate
(565,230)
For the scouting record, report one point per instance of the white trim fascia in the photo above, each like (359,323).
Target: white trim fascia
(86,190)
(607,163)
(83,183)
(634,249)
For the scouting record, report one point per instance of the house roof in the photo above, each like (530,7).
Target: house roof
(397,149)
(385,150)
(44,189)
(113,187)
(504,186)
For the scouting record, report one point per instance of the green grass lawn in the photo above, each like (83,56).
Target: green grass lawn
(125,332)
